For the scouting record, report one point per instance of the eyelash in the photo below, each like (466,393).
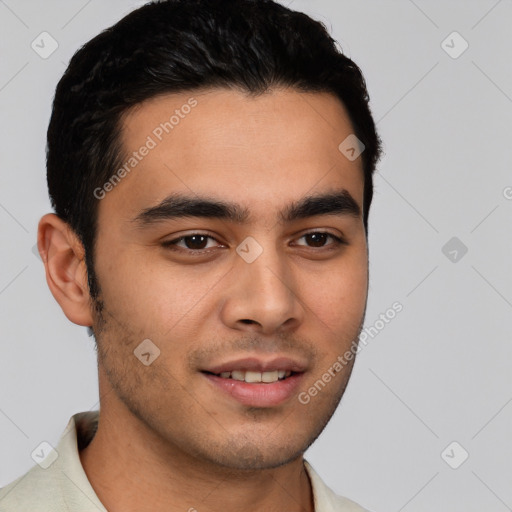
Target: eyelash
(172,244)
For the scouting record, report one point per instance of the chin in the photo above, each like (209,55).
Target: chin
(257,461)
(246,455)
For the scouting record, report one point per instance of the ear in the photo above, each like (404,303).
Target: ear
(63,256)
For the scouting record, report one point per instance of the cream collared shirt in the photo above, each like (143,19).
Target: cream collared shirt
(59,484)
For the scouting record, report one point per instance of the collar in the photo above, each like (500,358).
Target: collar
(64,486)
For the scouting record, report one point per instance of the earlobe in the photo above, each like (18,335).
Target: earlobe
(63,256)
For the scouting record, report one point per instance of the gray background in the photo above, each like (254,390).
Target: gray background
(440,370)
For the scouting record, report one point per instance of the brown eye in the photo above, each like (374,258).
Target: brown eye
(194,243)
(319,239)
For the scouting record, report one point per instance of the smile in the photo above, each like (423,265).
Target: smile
(256,389)
(256,377)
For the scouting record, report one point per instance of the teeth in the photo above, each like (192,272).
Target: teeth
(251,377)
(270,376)
(238,375)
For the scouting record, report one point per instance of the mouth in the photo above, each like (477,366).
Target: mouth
(257,383)
(253,377)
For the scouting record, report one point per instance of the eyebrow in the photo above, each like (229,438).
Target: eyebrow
(178,206)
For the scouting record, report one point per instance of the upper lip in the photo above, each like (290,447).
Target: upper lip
(258,365)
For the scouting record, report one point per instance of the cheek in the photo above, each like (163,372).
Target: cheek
(338,296)
(354,287)
(152,295)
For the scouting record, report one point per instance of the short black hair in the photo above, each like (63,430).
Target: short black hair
(174,46)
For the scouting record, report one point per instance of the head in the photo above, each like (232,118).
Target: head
(219,119)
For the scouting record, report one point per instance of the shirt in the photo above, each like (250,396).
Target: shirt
(58,483)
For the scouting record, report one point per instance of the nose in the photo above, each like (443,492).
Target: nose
(262,296)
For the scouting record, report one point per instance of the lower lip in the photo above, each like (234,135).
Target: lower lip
(258,395)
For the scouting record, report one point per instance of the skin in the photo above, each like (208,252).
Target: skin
(168,439)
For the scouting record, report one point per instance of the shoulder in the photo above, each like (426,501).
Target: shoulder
(58,482)
(326,500)
(37,489)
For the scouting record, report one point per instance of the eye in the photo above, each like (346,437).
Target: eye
(195,242)
(199,243)
(318,239)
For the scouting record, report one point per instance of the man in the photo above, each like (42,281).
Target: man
(210,164)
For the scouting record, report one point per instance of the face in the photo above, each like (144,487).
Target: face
(232,251)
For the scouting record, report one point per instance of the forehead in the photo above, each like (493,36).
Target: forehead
(265,149)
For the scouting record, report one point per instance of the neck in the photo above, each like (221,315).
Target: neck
(131,469)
